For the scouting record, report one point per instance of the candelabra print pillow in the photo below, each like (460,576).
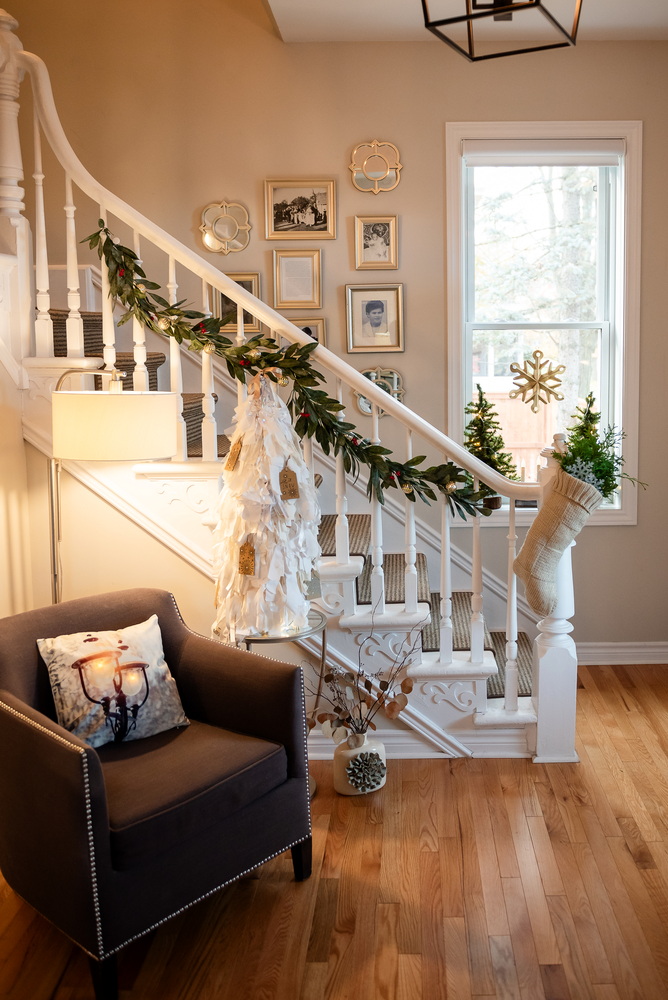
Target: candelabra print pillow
(113,686)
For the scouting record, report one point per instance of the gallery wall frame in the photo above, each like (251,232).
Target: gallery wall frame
(374,318)
(312,326)
(376,245)
(300,209)
(297,279)
(226,308)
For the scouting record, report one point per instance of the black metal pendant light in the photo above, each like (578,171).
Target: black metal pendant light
(488,29)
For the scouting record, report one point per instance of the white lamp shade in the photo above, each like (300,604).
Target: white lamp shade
(115,426)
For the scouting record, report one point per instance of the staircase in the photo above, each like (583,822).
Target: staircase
(385,571)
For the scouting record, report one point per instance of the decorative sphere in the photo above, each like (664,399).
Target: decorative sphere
(284,380)
(407,488)
(163,323)
(254,354)
(209,348)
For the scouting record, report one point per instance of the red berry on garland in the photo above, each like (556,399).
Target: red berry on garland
(304,414)
(121,272)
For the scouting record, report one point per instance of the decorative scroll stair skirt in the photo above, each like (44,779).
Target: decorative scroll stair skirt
(393,568)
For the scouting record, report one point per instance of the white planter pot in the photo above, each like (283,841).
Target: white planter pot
(359,765)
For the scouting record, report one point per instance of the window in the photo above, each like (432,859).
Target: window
(543,254)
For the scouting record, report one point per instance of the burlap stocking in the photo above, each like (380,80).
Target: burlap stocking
(562,515)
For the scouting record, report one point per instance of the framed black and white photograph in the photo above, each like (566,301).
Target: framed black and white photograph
(376,242)
(300,210)
(374,318)
(226,308)
(297,281)
(312,327)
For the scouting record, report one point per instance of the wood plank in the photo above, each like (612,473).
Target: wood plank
(462,879)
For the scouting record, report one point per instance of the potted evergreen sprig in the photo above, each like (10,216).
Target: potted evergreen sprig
(592,457)
(483,440)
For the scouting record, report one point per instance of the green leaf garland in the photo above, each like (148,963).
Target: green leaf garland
(314,412)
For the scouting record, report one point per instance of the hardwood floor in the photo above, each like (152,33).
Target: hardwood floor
(462,878)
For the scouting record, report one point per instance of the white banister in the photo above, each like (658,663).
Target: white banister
(240,341)
(511,688)
(410,571)
(209,429)
(175,368)
(377,572)
(140,374)
(445,625)
(477,620)
(279,325)
(43,321)
(108,330)
(342,533)
(11,163)
(74,322)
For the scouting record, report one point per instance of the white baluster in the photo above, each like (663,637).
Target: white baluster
(108,331)
(377,573)
(140,374)
(410,572)
(477,620)
(74,324)
(175,370)
(209,429)
(445,631)
(240,340)
(43,321)
(341,531)
(510,703)
(11,164)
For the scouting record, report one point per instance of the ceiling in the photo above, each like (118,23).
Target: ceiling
(402,20)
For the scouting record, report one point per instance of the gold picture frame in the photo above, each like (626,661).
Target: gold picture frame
(376,242)
(375,318)
(223,306)
(297,279)
(300,209)
(312,326)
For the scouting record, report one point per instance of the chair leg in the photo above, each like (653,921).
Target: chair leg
(105,978)
(301,859)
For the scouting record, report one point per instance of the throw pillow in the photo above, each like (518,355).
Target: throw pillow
(113,686)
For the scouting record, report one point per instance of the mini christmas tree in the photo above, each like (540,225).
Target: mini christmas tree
(483,440)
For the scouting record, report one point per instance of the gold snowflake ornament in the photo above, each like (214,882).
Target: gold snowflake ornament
(537,381)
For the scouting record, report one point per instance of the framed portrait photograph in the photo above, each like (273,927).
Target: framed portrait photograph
(376,242)
(226,308)
(300,210)
(314,328)
(297,281)
(375,319)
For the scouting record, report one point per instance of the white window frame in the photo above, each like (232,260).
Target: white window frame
(628,276)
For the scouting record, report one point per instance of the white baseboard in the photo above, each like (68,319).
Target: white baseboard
(612,653)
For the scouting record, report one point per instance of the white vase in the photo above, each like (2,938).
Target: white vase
(359,765)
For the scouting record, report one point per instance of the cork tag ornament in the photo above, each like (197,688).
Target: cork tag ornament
(287,480)
(233,456)
(247,557)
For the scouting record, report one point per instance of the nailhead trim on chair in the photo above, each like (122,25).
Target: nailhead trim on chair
(89,820)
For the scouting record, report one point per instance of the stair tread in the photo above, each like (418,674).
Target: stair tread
(393,572)
(359,532)
(195,447)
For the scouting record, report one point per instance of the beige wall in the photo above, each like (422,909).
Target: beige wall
(174,106)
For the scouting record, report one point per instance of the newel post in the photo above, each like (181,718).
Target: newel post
(555,664)
(11,165)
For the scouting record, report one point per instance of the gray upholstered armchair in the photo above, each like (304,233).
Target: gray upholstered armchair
(108,843)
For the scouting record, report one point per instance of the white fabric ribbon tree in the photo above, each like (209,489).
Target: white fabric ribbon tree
(280,535)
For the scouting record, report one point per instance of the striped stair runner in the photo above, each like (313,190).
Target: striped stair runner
(359,526)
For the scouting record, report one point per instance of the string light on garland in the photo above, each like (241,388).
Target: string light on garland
(315,413)
(537,381)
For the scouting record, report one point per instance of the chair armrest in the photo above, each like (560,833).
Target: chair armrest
(234,689)
(53,806)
